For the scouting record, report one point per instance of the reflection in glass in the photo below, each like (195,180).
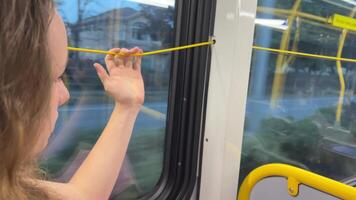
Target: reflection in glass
(292,106)
(105,25)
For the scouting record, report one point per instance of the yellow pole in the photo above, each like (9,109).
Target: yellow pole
(341,77)
(279,78)
(340,72)
(291,59)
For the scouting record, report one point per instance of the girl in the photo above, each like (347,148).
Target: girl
(33,56)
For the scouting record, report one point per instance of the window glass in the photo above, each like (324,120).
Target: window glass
(286,4)
(105,25)
(297,111)
(328,8)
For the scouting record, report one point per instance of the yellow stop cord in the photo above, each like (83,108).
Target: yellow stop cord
(302,54)
(146,53)
(324,57)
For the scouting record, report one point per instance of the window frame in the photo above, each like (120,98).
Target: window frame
(229,80)
(187,100)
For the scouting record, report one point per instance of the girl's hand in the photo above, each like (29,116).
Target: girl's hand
(124,81)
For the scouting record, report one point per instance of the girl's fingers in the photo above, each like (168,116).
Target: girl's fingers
(119,61)
(138,60)
(103,75)
(126,57)
(129,62)
(110,59)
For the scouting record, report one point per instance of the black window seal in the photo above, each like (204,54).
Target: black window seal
(188,90)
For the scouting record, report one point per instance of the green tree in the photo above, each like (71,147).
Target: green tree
(302,143)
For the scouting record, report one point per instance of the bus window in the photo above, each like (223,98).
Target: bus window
(105,25)
(300,110)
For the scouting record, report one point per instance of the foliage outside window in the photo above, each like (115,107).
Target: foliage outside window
(292,118)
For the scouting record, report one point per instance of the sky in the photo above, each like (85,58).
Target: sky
(68,9)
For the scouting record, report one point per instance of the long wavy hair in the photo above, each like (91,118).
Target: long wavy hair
(25,86)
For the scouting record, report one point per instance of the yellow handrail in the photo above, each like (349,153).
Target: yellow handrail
(296,177)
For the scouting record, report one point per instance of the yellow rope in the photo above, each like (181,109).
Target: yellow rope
(146,53)
(324,57)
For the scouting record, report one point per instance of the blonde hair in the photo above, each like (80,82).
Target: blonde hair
(25,85)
